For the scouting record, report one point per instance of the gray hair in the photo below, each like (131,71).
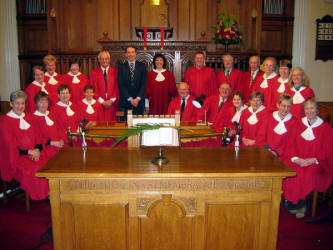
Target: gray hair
(16,95)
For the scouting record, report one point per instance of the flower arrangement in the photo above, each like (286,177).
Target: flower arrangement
(227,30)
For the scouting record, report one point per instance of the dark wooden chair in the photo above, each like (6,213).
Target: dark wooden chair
(17,190)
(319,198)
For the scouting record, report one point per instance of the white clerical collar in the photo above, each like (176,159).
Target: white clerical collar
(264,83)
(298,98)
(103,69)
(280,80)
(48,74)
(92,102)
(69,111)
(282,86)
(23,123)
(75,77)
(308,132)
(89,109)
(253,118)
(48,121)
(280,128)
(160,77)
(262,107)
(238,113)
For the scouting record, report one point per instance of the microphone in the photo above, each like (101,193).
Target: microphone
(238,129)
(83,133)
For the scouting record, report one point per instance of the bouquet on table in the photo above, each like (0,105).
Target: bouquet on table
(227,30)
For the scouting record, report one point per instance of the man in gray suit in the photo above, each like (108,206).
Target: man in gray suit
(132,83)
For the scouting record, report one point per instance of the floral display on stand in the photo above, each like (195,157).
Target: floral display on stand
(227,31)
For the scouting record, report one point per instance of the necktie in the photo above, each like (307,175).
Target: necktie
(221,104)
(106,79)
(132,71)
(252,77)
(182,108)
(228,73)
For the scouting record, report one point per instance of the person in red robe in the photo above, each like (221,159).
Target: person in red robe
(279,128)
(75,80)
(184,103)
(232,114)
(21,150)
(310,155)
(252,119)
(216,104)
(201,79)
(282,82)
(267,82)
(52,79)
(105,81)
(44,121)
(88,107)
(249,78)
(33,88)
(65,112)
(299,89)
(160,87)
(229,73)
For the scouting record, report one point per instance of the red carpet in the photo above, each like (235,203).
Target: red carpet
(22,230)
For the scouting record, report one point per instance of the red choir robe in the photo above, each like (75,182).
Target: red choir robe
(32,89)
(190,111)
(20,167)
(76,83)
(281,87)
(201,81)
(159,91)
(228,117)
(92,113)
(211,107)
(277,134)
(266,86)
(298,99)
(52,84)
(65,117)
(252,122)
(234,78)
(310,142)
(48,129)
(112,93)
(245,84)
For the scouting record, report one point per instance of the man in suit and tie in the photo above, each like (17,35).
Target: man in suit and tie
(229,73)
(132,83)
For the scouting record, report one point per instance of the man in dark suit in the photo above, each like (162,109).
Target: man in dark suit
(132,83)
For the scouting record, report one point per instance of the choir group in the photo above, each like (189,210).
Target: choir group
(274,111)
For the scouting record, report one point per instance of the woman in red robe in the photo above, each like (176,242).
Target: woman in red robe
(252,119)
(282,82)
(232,114)
(299,89)
(65,112)
(52,79)
(88,107)
(21,149)
(160,87)
(279,128)
(310,155)
(44,121)
(75,80)
(267,82)
(33,88)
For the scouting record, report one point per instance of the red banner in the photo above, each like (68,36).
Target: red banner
(162,38)
(145,38)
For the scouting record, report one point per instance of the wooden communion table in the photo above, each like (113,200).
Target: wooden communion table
(204,198)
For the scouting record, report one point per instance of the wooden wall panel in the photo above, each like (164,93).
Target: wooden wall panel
(125,20)
(183,28)
(151,15)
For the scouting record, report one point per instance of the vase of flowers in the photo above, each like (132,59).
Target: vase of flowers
(227,31)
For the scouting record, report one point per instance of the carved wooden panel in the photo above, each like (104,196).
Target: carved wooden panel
(166,224)
(232,226)
(104,226)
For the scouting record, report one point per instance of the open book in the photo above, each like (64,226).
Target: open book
(158,137)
